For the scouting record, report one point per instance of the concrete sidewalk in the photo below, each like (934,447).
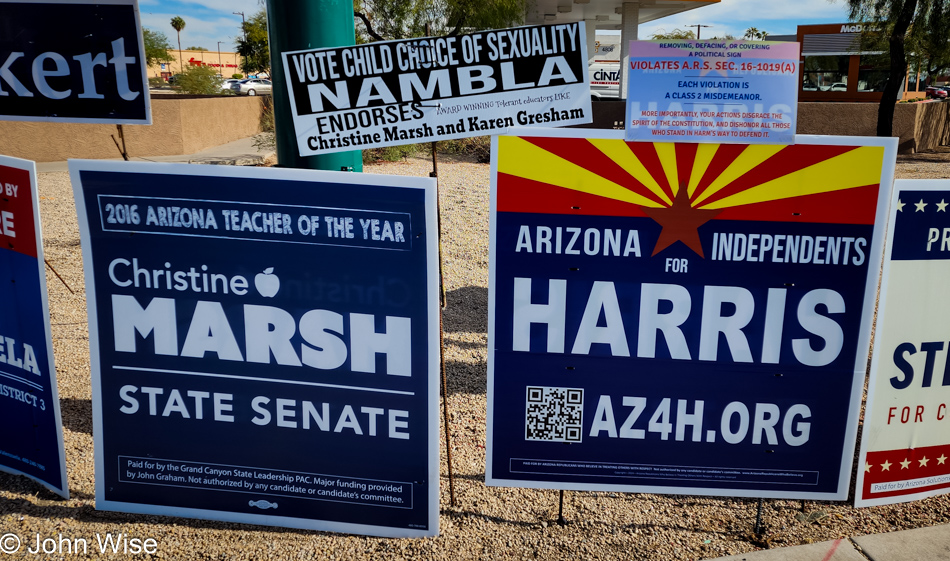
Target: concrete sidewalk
(923,544)
(238,153)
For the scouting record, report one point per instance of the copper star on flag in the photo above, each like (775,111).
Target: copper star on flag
(680,223)
(905,464)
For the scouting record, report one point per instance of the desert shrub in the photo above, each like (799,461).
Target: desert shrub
(390,153)
(478,147)
(199,80)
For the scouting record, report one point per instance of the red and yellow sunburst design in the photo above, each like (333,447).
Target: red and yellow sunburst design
(682,186)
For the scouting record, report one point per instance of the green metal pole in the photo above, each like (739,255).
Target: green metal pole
(294,25)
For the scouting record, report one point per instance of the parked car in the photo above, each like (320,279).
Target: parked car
(226,84)
(838,87)
(252,86)
(936,92)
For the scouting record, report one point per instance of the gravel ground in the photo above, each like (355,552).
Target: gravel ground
(485,523)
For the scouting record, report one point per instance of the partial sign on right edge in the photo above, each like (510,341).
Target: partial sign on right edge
(905,444)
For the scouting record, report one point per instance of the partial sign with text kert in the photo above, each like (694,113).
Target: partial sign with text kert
(905,444)
(71,61)
(264,344)
(31,442)
(681,318)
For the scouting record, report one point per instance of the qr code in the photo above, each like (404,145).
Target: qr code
(554,414)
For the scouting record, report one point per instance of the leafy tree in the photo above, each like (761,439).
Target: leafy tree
(253,45)
(199,80)
(178,23)
(688,34)
(755,34)
(930,52)
(900,22)
(156,47)
(196,49)
(401,19)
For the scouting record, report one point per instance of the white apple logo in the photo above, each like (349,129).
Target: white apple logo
(267,283)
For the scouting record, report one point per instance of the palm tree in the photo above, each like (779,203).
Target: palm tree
(178,24)
(754,34)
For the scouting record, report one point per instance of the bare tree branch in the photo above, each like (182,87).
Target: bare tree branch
(457,30)
(369,26)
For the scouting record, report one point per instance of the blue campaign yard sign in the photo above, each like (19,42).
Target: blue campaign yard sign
(73,61)
(31,442)
(681,318)
(264,344)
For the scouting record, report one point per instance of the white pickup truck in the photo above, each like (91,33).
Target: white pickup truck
(604,79)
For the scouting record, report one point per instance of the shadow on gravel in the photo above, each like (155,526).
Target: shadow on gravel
(466,377)
(86,512)
(22,485)
(477,477)
(77,414)
(461,515)
(464,344)
(466,310)
(56,242)
(940,154)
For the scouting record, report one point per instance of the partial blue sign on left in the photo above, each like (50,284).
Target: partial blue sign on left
(31,442)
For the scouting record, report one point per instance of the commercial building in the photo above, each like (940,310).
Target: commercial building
(226,63)
(835,67)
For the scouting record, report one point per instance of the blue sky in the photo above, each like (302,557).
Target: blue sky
(210,21)
(206,21)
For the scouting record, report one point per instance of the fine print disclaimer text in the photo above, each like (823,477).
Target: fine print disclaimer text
(61,544)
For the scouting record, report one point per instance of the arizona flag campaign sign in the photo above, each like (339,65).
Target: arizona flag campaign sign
(905,444)
(681,318)
(31,442)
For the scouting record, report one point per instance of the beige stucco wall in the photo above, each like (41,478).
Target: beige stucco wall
(933,125)
(919,126)
(180,125)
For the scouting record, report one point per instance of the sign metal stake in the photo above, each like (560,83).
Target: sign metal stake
(758,520)
(122,150)
(57,276)
(560,509)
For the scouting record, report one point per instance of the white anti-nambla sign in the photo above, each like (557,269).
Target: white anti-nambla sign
(437,88)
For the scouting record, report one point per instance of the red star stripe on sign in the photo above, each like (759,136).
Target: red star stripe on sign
(891,473)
